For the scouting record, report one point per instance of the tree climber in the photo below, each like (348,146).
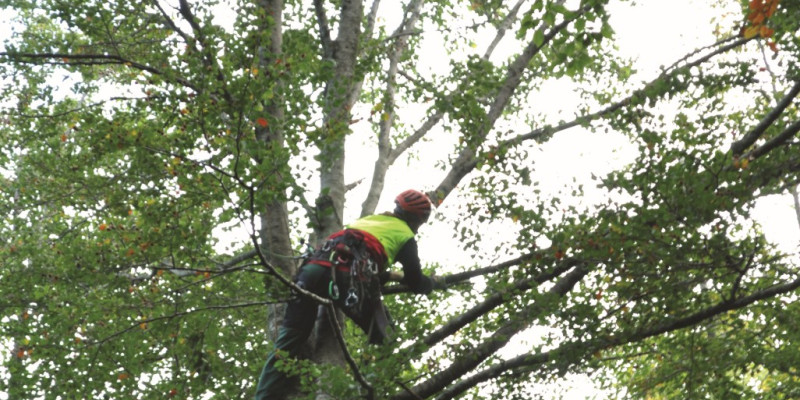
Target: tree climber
(349,269)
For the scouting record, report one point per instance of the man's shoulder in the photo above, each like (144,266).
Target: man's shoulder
(382,220)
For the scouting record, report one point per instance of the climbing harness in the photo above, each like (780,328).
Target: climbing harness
(353,269)
(356,260)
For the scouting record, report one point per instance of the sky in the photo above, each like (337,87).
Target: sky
(655,33)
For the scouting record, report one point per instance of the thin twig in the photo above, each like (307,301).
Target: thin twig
(93,59)
(348,357)
(506,24)
(408,390)
(178,315)
(186,38)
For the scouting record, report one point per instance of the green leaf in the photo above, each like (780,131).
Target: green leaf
(538,37)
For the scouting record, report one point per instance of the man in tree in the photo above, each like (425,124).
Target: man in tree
(349,269)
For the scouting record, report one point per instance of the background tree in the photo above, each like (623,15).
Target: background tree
(136,134)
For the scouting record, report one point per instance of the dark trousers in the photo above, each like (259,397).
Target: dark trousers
(301,314)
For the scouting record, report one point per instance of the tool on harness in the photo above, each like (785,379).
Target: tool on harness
(333,290)
(356,261)
(352,298)
(372,267)
(353,270)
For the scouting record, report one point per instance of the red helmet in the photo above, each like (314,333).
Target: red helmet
(415,203)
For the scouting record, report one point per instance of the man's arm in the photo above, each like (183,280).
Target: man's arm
(412,269)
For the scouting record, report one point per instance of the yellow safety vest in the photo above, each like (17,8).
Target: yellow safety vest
(391,232)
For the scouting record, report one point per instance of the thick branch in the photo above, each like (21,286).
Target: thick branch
(324,29)
(493,301)
(341,91)
(274,214)
(465,161)
(208,51)
(241,257)
(738,147)
(371,17)
(178,315)
(186,12)
(452,279)
(496,341)
(796,198)
(633,98)
(387,119)
(576,350)
(776,141)
(416,136)
(186,38)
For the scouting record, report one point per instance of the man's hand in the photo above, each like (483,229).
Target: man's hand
(438,281)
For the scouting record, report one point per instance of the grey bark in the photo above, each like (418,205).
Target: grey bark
(274,217)
(465,162)
(738,147)
(340,94)
(338,100)
(387,120)
(796,198)
(387,155)
(492,344)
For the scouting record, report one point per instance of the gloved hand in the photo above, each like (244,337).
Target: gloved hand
(439,282)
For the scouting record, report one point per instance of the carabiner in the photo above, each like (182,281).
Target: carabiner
(352,298)
(333,290)
(372,267)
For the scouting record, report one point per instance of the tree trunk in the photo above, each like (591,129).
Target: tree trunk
(274,218)
(340,93)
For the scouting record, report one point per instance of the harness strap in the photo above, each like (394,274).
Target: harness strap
(328,264)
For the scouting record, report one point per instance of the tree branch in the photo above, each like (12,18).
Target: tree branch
(738,147)
(572,351)
(386,120)
(466,160)
(80,108)
(187,14)
(494,300)
(178,315)
(796,199)
(371,17)
(452,279)
(633,98)
(336,328)
(776,141)
(496,341)
(423,130)
(233,261)
(508,21)
(186,38)
(93,59)
(324,29)
(208,51)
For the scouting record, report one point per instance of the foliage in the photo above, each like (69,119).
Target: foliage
(161,162)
